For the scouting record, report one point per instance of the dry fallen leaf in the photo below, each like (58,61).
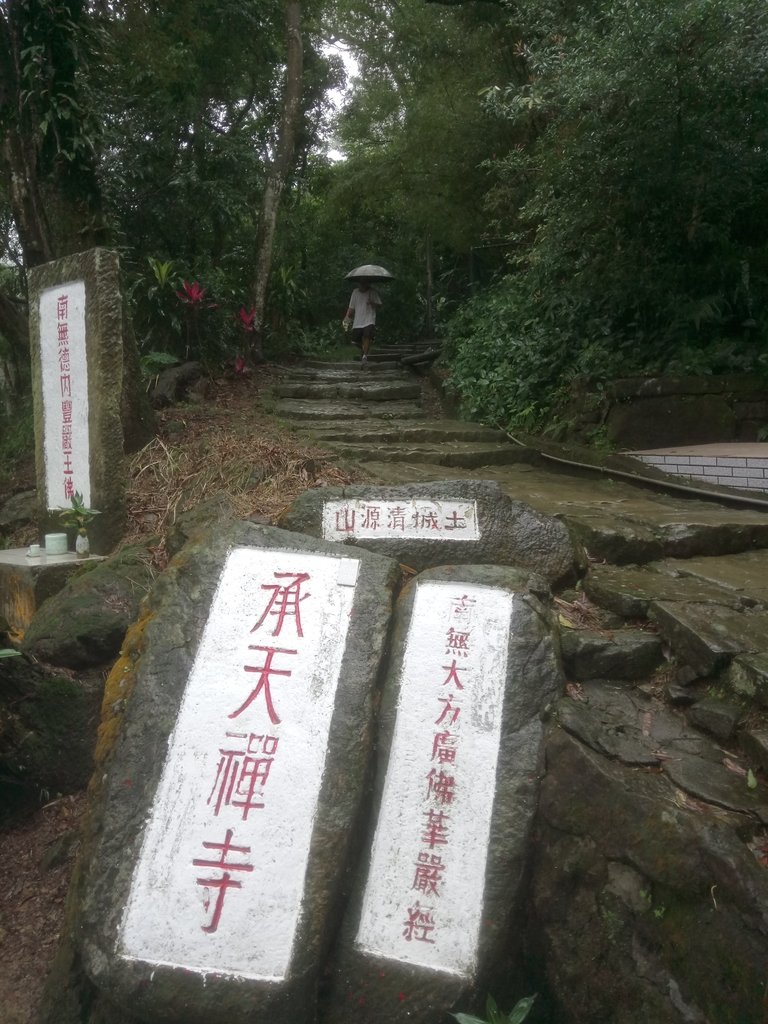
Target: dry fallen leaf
(733,767)
(576,692)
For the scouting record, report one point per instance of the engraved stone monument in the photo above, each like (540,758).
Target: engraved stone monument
(430,524)
(461,755)
(211,881)
(89,405)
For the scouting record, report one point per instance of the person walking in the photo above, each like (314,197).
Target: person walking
(361,314)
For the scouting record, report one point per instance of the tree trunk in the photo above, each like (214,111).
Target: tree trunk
(278,169)
(14,353)
(47,159)
(428,324)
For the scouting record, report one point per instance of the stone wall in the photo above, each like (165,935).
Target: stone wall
(641,412)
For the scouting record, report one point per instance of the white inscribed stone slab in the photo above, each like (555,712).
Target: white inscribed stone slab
(420,519)
(423,901)
(64,371)
(243,773)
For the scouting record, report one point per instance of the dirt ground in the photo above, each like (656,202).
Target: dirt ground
(226,442)
(38,848)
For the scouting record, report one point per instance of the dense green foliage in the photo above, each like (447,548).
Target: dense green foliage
(560,189)
(418,141)
(636,206)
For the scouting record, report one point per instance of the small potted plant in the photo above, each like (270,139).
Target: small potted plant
(78,517)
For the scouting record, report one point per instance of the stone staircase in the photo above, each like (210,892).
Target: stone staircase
(390,420)
(692,567)
(380,415)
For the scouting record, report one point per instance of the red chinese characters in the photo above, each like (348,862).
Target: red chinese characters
(245,758)
(285,601)
(65,393)
(345,520)
(391,519)
(371,517)
(396,518)
(265,672)
(441,789)
(224,880)
(419,924)
(242,772)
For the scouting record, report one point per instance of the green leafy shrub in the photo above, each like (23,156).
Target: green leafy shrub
(516,1015)
(17,439)
(512,355)
(632,199)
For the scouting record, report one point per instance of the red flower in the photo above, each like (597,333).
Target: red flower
(192,294)
(248,318)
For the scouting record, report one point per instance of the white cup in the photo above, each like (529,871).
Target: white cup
(34,551)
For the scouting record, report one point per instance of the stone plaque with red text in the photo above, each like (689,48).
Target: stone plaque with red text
(467,522)
(83,365)
(230,801)
(474,666)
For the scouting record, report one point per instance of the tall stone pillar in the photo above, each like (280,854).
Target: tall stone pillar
(79,354)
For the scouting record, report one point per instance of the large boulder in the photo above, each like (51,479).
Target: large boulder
(467,522)
(649,890)
(83,625)
(174,384)
(19,510)
(432,915)
(172,736)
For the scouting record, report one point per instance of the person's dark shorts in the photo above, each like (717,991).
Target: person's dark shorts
(359,334)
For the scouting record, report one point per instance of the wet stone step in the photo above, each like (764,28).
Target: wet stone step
(629,590)
(468,454)
(364,391)
(372,366)
(385,357)
(747,677)
(354,373)
(744,576)
(622,654)
(411,346)
(707,636)
(623,539)
(308,409)
(385,432)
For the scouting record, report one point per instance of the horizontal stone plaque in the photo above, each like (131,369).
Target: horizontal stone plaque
(416,519)
(424,897)
(462,522)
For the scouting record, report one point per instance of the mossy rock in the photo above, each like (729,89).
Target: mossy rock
(47,728)
(207,515)
(83,625)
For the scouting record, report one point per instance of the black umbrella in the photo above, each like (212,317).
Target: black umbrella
(369,272)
